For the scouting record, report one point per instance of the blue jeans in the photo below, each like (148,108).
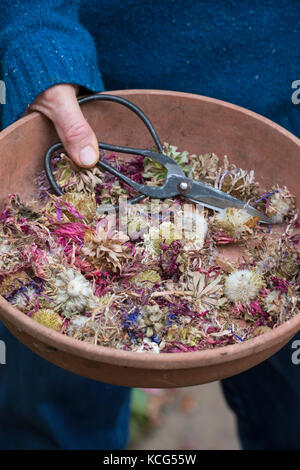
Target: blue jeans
(45,407)
(266,401)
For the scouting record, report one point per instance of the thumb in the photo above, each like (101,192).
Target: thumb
(59,104)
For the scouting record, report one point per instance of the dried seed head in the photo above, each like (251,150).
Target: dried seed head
(243,285)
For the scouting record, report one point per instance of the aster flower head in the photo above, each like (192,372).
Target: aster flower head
(243,285)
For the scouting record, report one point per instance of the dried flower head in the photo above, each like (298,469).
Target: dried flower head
(152,319)
(236,181)
(280,204)
(137,223)
(75,324)
(9,255)
(164,234)
(185,334)
(195,228)
(24,298)
(235,222)
(48,318)
(84,203)
(260,330)
(13,282)
(243,285)
(106,248)
(204,167)
(148,346)
(206,293)
(71,178)
(146,279)
(71,292)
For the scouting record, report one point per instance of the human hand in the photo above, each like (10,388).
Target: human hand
(59,103)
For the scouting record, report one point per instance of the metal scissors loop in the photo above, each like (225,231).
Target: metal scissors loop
(176,183)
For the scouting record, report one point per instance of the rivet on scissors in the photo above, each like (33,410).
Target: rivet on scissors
(183,186)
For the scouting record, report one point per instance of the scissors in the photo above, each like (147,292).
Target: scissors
(176,182)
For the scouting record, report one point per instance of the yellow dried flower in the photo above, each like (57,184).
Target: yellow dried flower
(48,318)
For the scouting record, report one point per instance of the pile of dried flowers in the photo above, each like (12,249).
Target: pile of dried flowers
(158,281)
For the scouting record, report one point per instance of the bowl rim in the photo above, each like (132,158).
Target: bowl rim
(147,360)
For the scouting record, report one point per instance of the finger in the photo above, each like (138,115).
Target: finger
(60,104)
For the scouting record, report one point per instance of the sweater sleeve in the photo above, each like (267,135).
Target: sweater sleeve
(43,44)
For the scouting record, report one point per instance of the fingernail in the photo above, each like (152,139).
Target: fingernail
(88,155)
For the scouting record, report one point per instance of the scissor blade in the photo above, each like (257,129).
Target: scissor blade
(218,200)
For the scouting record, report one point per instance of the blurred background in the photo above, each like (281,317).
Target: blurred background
(187,418)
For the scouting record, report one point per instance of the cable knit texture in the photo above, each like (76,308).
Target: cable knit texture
(241,51)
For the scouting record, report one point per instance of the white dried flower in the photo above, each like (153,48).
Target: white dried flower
(235,222)
(72,292)
(278,207)
(243,285)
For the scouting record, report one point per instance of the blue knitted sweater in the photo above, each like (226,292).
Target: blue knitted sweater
(245,51)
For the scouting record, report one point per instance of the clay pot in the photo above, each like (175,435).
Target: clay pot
(194,123)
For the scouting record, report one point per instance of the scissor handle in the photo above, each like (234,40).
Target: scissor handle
(114,148)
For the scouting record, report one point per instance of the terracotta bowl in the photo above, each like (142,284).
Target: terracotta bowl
(197,124)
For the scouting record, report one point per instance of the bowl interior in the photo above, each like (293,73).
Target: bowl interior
(192,123)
